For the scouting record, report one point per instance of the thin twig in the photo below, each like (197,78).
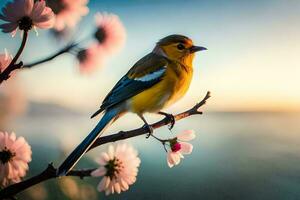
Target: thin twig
(81,173)
(66,49)
(13,66)
(50,171)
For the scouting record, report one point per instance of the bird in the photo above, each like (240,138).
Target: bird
(153,83)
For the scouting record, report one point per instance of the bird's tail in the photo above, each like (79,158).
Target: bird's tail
(74,157)
(96,113)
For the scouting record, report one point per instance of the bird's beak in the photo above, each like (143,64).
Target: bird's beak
(194,49)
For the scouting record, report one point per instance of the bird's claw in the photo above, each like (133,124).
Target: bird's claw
(149,129)
(169,117)
(172,121)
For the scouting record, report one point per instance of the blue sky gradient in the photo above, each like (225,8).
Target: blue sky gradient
(252,62)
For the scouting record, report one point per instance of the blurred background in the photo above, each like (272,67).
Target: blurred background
(248,141)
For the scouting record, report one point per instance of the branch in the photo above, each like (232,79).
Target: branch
(66,49)
(13,66)
(140,131)
(50,171)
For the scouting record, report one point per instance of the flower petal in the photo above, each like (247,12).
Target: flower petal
(70,13)
(175,157)
(101,186)
(111,152)
(105,158)
(28,5)
(170,160)
(99,172)
(117,188)
(107,182)
(124,185)
(45,25)
(186,135)
(38,9)
(186,148)
(8,27)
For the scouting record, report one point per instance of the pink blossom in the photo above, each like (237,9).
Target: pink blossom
(5,60)
(68,12)
(110,32)
(91,59)
(25,15)
(119,168)
(15,154)
(179,148)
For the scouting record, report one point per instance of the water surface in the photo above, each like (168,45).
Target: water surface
(236,156)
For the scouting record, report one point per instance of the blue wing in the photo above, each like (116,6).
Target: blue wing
(144,74)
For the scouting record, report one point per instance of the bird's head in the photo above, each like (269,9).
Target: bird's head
(178,48)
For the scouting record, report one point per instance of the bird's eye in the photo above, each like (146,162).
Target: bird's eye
(180,46)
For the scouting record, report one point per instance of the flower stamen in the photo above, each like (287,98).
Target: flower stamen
(176,147)
(100,35)
(25,23)
(6,155)
(113,167)
(81,55)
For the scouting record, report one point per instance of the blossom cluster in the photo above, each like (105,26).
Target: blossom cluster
(61,15)
(119,165)
(179,146)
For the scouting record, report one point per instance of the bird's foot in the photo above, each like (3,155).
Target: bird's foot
(149,129)
(172,119)
(169,117)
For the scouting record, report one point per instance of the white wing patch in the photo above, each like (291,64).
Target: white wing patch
(152,76)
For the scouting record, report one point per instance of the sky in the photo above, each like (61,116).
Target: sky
(252,62)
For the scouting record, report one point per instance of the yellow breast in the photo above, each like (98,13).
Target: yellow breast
(170,89)
(183,76)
